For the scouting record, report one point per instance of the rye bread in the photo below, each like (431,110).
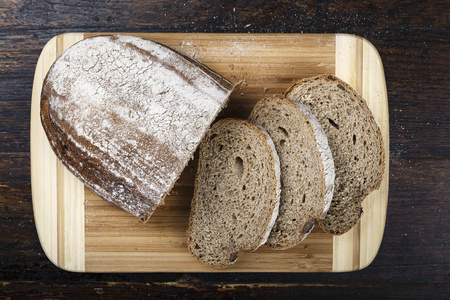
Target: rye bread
(237,190)
(125,115)
(355,141)
(307,168)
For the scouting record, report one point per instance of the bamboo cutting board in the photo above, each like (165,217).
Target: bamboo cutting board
(80,232)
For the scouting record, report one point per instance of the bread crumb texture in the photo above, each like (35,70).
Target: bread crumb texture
(355,141)
(235,195)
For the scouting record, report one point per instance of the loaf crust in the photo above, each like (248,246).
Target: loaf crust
(125,115)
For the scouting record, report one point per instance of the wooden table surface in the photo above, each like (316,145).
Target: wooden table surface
(412,38)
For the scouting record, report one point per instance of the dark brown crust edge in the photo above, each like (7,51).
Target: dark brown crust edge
(234,255)
(329,77)
(91,173)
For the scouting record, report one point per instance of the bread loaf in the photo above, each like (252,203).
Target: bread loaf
(355,141)
(125,115)
(236,194)
(307,168)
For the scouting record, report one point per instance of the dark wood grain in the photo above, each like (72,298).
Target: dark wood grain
(215,291)
(412,38)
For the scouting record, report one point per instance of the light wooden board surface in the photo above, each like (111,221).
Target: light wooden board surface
(80,232)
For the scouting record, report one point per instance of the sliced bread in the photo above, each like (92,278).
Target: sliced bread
(237,190)
(307,168)
(355,141)
(126,114)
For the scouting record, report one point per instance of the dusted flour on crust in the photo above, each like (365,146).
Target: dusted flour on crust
(126,114)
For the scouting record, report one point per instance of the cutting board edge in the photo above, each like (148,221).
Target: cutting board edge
(358,54)
(49,245)
(35,99)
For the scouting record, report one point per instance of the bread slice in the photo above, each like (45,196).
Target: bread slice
(237,191)
(355,141)
(307,168)
(126,114)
